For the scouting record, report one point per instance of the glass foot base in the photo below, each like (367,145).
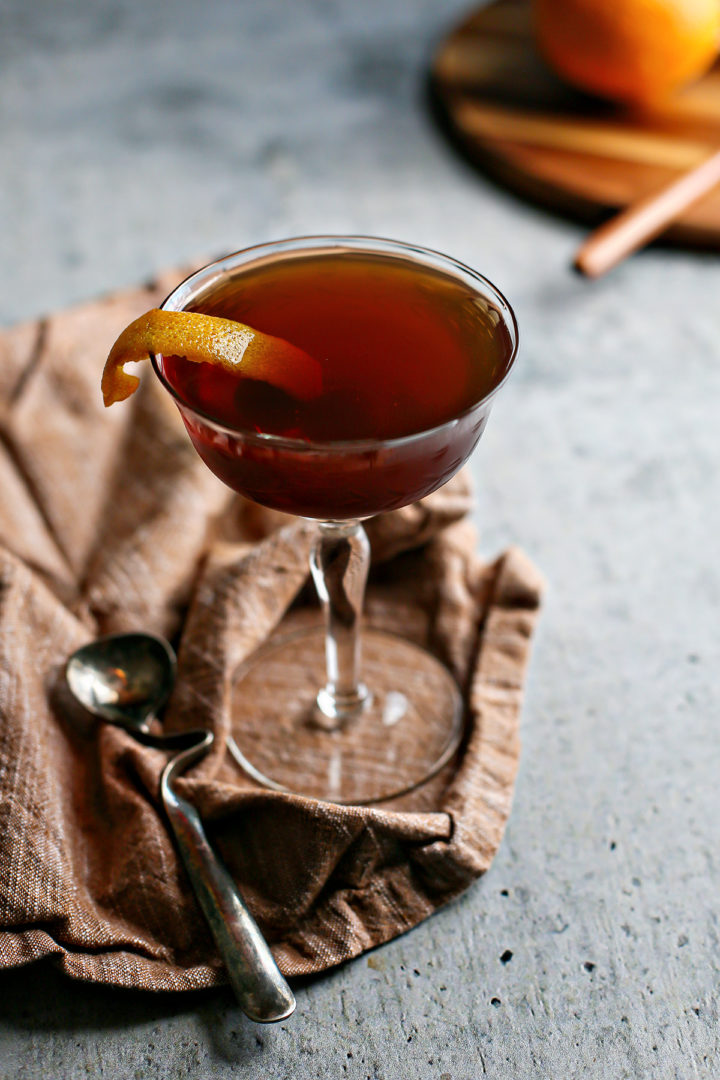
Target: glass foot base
(406,730)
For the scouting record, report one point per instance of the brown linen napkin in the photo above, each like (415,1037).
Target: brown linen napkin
(109,521)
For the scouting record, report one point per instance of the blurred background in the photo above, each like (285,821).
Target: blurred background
(137,136)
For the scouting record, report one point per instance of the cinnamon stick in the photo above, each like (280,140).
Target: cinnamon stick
(645,219)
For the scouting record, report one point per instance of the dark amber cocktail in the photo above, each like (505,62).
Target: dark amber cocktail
(412,347)
(407,352)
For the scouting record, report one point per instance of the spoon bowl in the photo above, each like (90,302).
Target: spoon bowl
(123,678)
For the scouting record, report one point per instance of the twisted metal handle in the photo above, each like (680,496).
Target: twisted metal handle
(261,991)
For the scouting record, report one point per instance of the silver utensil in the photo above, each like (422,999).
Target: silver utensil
(125,679)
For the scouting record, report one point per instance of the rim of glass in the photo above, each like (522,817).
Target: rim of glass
(189,287)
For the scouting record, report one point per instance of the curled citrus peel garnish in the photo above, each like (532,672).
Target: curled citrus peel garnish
(211,340)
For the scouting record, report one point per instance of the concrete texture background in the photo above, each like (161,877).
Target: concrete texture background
(139,135)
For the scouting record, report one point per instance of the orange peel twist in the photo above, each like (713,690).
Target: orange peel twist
(208,339)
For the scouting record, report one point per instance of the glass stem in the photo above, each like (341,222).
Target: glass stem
(339,563)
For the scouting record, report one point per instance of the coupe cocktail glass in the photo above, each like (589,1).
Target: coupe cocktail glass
(346,730)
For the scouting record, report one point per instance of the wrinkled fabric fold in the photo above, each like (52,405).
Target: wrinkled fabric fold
(110,522)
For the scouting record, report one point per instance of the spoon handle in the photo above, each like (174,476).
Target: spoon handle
(261,990)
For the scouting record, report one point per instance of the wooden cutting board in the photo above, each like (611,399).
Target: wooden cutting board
(559,146)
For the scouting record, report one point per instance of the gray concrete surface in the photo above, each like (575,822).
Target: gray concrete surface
(137,135)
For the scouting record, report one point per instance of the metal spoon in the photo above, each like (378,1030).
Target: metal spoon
(125,679)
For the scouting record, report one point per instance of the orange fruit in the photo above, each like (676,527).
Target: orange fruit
(211,340)
(634,51)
